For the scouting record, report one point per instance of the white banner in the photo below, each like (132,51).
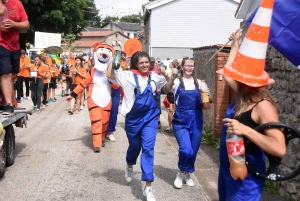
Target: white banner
(44,40)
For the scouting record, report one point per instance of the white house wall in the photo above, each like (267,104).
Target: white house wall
(171,53)
(193,23)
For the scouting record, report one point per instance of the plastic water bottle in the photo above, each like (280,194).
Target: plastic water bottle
(204,94)
(236,154)
(4,17)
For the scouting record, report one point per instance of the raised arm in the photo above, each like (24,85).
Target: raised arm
(110,72)
(168,87)
(235,37)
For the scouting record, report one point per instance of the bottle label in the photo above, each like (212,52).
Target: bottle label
(205,97)
(235,148)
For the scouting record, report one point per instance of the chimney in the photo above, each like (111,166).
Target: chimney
(142,23)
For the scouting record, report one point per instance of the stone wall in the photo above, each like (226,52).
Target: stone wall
(286,91)
(218,89)
(205,73)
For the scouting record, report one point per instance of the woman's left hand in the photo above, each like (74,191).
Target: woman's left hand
(163,71)
(234,126)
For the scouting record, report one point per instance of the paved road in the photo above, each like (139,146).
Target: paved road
(54,161)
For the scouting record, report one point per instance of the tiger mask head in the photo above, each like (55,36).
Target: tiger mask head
(103,55)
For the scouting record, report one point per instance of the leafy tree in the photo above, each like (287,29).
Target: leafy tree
(59,16)
(109,18)
(68,40)
(134,18)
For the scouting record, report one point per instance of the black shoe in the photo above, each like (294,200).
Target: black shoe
(96,149)
(18,101)
(103,143)
(8,109)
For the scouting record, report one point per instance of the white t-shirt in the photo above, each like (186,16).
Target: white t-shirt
(126,80)
(188,85)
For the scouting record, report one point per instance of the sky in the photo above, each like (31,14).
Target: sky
(119,7)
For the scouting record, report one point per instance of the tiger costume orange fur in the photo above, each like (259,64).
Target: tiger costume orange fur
(99,95)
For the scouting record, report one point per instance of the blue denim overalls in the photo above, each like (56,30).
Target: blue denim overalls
(115,97)
(141,129)
(187,124)
(251,187)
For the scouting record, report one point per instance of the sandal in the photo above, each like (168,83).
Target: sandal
(70,111)
(76,112)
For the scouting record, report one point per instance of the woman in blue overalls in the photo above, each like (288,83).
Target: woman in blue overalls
(253,106)
(187,121)
(141,114)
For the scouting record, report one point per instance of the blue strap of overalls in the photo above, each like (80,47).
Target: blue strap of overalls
(138,88)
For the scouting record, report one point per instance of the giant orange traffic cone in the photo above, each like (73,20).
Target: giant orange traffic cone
(248,66)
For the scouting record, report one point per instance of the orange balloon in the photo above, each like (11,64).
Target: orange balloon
(132,45)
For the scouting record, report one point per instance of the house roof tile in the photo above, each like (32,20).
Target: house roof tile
(96,33)
(94,29)
(129,26)
(85,43)
(126,26)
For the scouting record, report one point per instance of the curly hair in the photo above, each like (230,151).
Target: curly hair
(135,59)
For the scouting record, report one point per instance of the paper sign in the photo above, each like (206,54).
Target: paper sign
(44,40)
(33,73)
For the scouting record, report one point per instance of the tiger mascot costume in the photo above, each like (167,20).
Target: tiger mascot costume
(99,95)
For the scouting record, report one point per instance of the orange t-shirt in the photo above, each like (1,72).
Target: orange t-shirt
(42,69)
(48,76)
(78,78)
(54,72)
(48,61)
(24,70)
(71,61)
(89,65)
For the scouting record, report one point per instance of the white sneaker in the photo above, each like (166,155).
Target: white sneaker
(168,129)
(188,180)
(128,174)
(178,180)
(148,193)
(28,98)
(81,107)
(22,98)
(112,138)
